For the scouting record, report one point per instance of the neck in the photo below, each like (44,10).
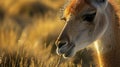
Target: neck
(109,43)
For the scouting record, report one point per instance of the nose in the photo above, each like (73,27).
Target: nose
(61,43)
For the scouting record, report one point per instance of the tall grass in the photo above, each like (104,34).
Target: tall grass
(28,30)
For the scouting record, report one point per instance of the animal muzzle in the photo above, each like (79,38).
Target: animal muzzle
(64,48)
(61,47)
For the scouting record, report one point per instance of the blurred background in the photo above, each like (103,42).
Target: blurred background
(28,30)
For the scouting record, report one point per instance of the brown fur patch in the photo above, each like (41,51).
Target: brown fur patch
(116,7)
(74,7)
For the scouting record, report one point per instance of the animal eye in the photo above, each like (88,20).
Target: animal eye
(89,17)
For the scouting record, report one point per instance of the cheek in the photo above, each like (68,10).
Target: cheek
(83,36)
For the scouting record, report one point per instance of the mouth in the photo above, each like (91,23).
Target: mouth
(69,52)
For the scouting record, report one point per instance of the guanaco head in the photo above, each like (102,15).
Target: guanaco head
(86,21)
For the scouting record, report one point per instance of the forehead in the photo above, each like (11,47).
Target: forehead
(74,7)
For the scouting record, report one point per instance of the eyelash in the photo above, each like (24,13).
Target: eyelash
(89,17)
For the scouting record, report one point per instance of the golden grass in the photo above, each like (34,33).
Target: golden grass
(28,40)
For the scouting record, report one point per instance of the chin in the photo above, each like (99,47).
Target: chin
(69,54)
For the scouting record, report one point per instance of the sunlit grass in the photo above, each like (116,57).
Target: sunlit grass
(27,39)
(96,45)
(28,43)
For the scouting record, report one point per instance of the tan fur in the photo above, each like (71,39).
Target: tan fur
(105,28)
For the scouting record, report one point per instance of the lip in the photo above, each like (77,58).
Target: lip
(69,51)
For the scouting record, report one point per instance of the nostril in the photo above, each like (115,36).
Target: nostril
(61,44)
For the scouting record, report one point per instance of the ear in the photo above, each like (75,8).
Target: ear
(98,4)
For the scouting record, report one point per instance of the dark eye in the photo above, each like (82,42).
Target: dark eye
(89,17)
